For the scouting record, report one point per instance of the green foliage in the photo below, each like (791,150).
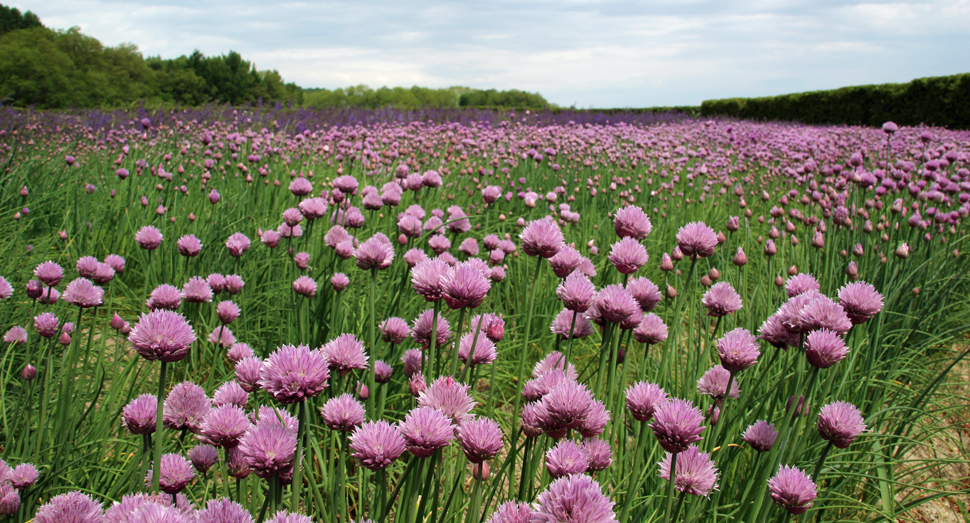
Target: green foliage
(512,98)
(11,19)
(362,96)
(942,100)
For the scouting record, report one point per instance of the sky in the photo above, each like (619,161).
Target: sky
(587,54)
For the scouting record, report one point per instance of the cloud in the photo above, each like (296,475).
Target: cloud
(588,53)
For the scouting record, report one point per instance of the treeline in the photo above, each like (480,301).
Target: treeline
(364,97)
(60,69)
(57,69)
(941,101)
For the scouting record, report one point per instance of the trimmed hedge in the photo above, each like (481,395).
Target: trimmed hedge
(941,101)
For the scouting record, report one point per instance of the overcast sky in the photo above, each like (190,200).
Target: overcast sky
(573,52)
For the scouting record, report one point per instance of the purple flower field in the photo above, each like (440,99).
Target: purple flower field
(251,315)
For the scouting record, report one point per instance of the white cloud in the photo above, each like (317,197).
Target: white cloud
(591,53)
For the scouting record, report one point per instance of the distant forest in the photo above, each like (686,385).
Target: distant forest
(52,69)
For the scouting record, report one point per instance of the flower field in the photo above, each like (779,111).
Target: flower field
(238,316)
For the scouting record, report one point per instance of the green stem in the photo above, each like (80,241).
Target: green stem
(521,366)
(670,488)
(301,433)
(158,428)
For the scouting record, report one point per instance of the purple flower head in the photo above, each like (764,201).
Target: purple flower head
(305,286)
(236,463)
(394,330)
(414,256)
(572,499)
(266,415)
(792,489)
(292,517)
(412,359)
(234,284)
(599,453)
(628,255)
(615,303)
(339,281)
(230,393)
(15,334)
(421,330)
(861,301)
(824,348)
(224,425)
(83,293)
(565,261)
(344,354)
(189,246)
(563,321)
(46,324)
(294,373)
(761,436)
(539,386)
(651,330)
(458,222)
(164,296)
(35,289)
(417,384)
(48,296)
(377,444)
(9,499)
(645,292)
(677,424)
(595,423)
(73,507)
(840,423)
(821,312)
(774,332)
(6,290)
(48,272)
(203,457)
(632,222)
(888,128)
(512,512)
(270,238)
(196,290)
(217,282)
(162,335)
(721,299)
(738,350)
(800,284)
(565,407)
(223,511)
(438,243)
(696,240)
(382,372)
(426,430)
(247,373)
(24,475)
(695,473)
(222,337)
(554,361)
(448,396)
(185,407)
(301,186)
(148,238)
(480,439)
(643,399)
(346,183)
(566,458)
(576,292)
(427,278)
(140,415)
(227,312)
(714,383)
(313,208)
(375,253)
(343,413)
(269,449)
(484,352)
(175,473)
(542,238)
(464,286)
